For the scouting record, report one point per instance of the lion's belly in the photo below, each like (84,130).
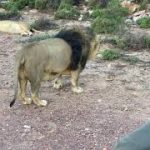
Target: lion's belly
(59,56)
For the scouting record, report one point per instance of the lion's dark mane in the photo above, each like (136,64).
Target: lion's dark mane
(80,47)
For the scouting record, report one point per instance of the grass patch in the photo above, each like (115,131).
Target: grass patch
(41,4)
(10,16)
(44,24)
(147,42)
(67,11)
(143,4)
(110,54)
(144,22)
(131,59)
(38,4)
(109,19)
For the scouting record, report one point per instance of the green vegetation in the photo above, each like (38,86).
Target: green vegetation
(9,15)
(147,42)
(144,22)
(44,24)
(67,11)
(110,54)
(109,19)
(38,4)
(143,4)
(131,59)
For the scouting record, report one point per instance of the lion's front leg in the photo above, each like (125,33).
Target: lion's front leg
(74,81)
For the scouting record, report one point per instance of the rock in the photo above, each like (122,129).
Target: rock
(27,127)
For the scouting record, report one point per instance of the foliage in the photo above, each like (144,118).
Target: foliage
(41,4)
(147,42)
(54,3)
(67,11)
(144,22)
(131,59)
(143,4)
(43,24)
(110,54)
(108,20)
(99,3)
(9,15)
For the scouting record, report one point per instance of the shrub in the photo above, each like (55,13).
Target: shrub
(110,54)
(131,59)
(67,11)
(16,5)
(108,20)
(143,4)
(147,42)
(14,15)
(43,24)
(144,22)
(54,3)
(41,4)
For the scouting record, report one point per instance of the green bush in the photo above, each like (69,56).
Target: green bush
(40,4)
(110,54)
(44,24)
(131,59)
(10,15)
(54,4)
(15,5)
(67,11)
(147,42)
(144,22)
(108,20)
(92,3)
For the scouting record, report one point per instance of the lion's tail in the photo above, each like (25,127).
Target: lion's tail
(19,62)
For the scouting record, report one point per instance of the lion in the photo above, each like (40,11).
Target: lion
(66,53)
(15,27)
(132,7)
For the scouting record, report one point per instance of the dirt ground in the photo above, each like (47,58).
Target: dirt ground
(104,112)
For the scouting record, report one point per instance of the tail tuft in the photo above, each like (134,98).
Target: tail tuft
(12,102)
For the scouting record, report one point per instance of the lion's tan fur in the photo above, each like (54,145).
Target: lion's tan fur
(15,27)
(46,60)
(132,7)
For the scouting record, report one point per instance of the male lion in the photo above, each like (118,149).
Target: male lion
(65,53)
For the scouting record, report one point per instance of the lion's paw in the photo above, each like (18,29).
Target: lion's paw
(77,89)
(27,101)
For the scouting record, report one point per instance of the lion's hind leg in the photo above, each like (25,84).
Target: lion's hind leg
(35,89)
(23,85)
